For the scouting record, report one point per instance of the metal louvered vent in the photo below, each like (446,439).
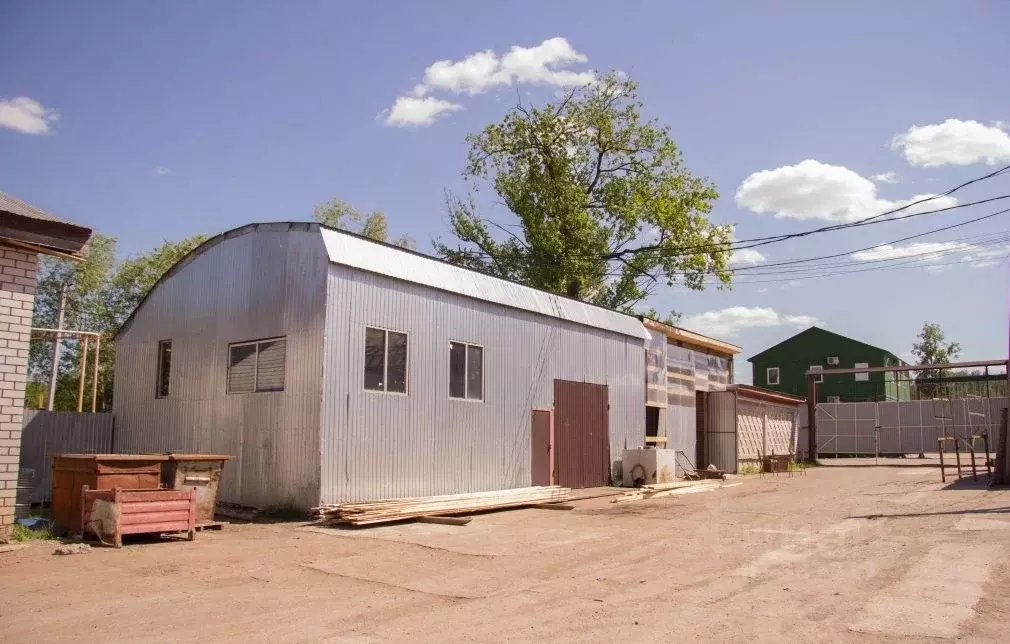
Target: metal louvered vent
(257,366)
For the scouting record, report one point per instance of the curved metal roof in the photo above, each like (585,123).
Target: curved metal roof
(407,265)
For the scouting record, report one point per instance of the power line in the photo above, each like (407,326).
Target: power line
(924,254)
(859,250)
(773,239)
(918,264)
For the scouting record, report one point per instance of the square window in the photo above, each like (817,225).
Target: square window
(862,377)
(772,375)
(466,371)
(385,360)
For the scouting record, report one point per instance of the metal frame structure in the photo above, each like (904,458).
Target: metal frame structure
(85,338)
(812,381)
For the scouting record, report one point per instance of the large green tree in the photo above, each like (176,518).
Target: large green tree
(606,210)
(101,294)
(932,347)
(337,213)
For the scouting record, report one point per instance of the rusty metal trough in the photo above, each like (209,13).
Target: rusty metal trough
(110,514)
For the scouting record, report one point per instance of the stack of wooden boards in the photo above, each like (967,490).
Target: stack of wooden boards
(383,511)
(659,490)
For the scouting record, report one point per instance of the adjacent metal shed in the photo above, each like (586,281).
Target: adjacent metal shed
(744,424)
(338,368)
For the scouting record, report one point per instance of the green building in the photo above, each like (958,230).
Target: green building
(783,368)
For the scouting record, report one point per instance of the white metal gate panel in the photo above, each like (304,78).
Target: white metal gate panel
(906,427)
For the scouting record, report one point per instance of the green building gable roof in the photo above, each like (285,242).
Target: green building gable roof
(828,337)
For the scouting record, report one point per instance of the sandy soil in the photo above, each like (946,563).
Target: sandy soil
(841,554)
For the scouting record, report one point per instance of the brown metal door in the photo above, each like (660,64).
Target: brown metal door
(581,434)
(542,447)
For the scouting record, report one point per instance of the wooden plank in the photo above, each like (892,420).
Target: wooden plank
(656,439)
(553,506)
(445,520)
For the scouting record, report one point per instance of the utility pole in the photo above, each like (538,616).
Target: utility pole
(56,348)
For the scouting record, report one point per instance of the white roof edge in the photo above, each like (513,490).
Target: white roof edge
(357,252)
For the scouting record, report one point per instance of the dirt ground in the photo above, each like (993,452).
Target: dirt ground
(840,554)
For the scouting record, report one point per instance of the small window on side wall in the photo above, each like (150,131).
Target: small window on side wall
(772,375)
(385,360)
(164,369)
(257,366)
(862,377)
(466,371)
(820,377)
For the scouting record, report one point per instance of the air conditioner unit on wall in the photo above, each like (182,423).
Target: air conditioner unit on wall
(834,399)
(833,360)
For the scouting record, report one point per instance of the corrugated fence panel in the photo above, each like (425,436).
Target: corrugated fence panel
(382,445)
(906,427)
(59,432)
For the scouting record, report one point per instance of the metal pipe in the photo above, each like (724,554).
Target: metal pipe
(84,371)
(56,348)
(921,367)
(94,377)
(812,418)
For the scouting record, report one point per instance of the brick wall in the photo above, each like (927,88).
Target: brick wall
(17,299)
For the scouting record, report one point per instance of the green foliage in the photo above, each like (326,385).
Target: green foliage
(21,533)
(337,213)
(101,296)
(606,209)
(932,348)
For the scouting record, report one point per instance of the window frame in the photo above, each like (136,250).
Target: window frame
(157,373)
(256,365)
(385,362)
(768,376)
(818,367)
(865,376)
(466,372)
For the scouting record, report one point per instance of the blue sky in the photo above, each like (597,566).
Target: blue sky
(152,121)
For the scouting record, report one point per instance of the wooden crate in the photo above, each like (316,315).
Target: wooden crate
(110,514)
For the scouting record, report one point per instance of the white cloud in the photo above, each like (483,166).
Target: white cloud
(26,115)
(925,251)
(954,142)
(746,257)
(885,177)
(814,190)
(543,64)
(162,171)
(730,321)
(410,110)
(762,290)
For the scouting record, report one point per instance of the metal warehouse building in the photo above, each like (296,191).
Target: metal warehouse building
(337,368)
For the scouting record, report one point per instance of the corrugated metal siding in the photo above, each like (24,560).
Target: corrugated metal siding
(355,252)
(721,431)
(583,453)
(907,427)
(379,445)
(268,282)
(59,432)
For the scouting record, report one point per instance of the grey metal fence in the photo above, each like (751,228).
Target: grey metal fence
(53,432)
(907,427)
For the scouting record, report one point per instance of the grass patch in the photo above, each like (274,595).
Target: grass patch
(750,468)
(22,533)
